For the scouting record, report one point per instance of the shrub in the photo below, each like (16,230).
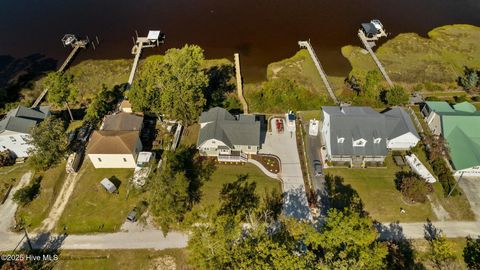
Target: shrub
(396,96)
(470,79)
(445,177)
(27,194)
(414,188)
(6,158)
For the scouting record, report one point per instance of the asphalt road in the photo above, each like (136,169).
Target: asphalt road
(313,145)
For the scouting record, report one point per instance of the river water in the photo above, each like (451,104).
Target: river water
(263,31)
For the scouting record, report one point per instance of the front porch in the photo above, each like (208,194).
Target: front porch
(233,156)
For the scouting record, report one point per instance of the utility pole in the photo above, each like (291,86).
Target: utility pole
(450,193)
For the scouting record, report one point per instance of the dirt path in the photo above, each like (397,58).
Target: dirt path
(8,209)
(62,199)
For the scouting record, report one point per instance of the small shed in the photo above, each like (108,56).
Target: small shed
(108,185)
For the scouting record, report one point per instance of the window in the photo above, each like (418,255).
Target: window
(12,139)
(377,140)
(340,140)
(359,143)
(249,147)
(124,160)
(99,160)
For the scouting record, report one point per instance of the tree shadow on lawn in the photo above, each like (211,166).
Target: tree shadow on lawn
(219,84)
(341,196)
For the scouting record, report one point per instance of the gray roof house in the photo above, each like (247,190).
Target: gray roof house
(228,137)
(360,134)
(15,128)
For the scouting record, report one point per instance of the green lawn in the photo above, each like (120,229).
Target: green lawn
(228,173)
(376,188)
(91,208)
(122,259)
(420,62)
(10,175)
(307,115)
(51,183)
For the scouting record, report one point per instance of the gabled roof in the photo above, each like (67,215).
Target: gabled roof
(465,107)
(353,123)
(223,126)
(112,142)
(122,122)
(370,28)
(439,106)
(399,123)
(22,119)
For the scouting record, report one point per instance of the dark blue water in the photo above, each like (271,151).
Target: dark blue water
(263,31)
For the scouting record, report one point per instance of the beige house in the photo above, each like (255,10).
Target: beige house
(117,143)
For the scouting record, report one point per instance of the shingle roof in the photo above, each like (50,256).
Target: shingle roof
(22,119)
(353,123)
(369,28)
(122,122)
(223,126)
(112,142)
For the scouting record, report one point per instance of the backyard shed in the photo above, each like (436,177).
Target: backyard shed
(108,185)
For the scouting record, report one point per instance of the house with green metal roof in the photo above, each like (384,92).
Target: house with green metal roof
(460,126)
(228,137)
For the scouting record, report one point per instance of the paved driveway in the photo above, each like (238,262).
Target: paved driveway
(313,153)
(284,145)
(471,188)
(8,209)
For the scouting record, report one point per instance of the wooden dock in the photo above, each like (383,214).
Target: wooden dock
(142,42)
(80,44)
(368,46)
(238,74)
(323,75)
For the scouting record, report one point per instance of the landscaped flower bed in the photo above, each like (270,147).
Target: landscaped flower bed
(271,163)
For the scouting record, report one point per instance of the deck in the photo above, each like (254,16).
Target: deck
(367,45)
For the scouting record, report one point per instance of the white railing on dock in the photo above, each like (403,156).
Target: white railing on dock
(323,75)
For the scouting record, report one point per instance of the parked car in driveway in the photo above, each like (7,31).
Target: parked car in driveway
(132,216)
(317,168)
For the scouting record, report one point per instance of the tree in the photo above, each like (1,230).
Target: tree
(182,82)
(471,253)
(396,96)
(238,198)
(60,89)
(470,79)
(103,103)
(441,252)
(281,94)
(6,158)
(348,241)
(370,87)
(414,188)
(49,143)
(27,194)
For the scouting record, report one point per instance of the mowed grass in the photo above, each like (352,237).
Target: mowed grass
(11,175)
(228,173)
(381,199)
(51,183)
(122,259)
(91,208)
(190,135)
(412,59)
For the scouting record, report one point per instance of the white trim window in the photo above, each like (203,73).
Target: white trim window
(377,140)
(340,140)
(359,143)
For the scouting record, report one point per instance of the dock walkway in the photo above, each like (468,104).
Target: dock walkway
(78,45)
(306,44)
(363,38)
(240,83)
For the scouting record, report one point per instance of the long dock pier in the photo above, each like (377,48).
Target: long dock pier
(151,41)
(323,75)
(79,44)
(367,45)
(238,74)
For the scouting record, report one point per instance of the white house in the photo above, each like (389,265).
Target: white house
(227,137)
(356,135)
(117,144)
(16,126)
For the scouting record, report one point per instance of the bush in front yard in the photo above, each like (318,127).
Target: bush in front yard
(6,158)
(27,194)
(414,188)
(445,176)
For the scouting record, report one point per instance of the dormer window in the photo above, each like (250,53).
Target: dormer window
(359,143)
(377,140)
(340,140)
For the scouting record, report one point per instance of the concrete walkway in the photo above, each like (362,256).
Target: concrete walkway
(416,230)
(265,171)
(8,209)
